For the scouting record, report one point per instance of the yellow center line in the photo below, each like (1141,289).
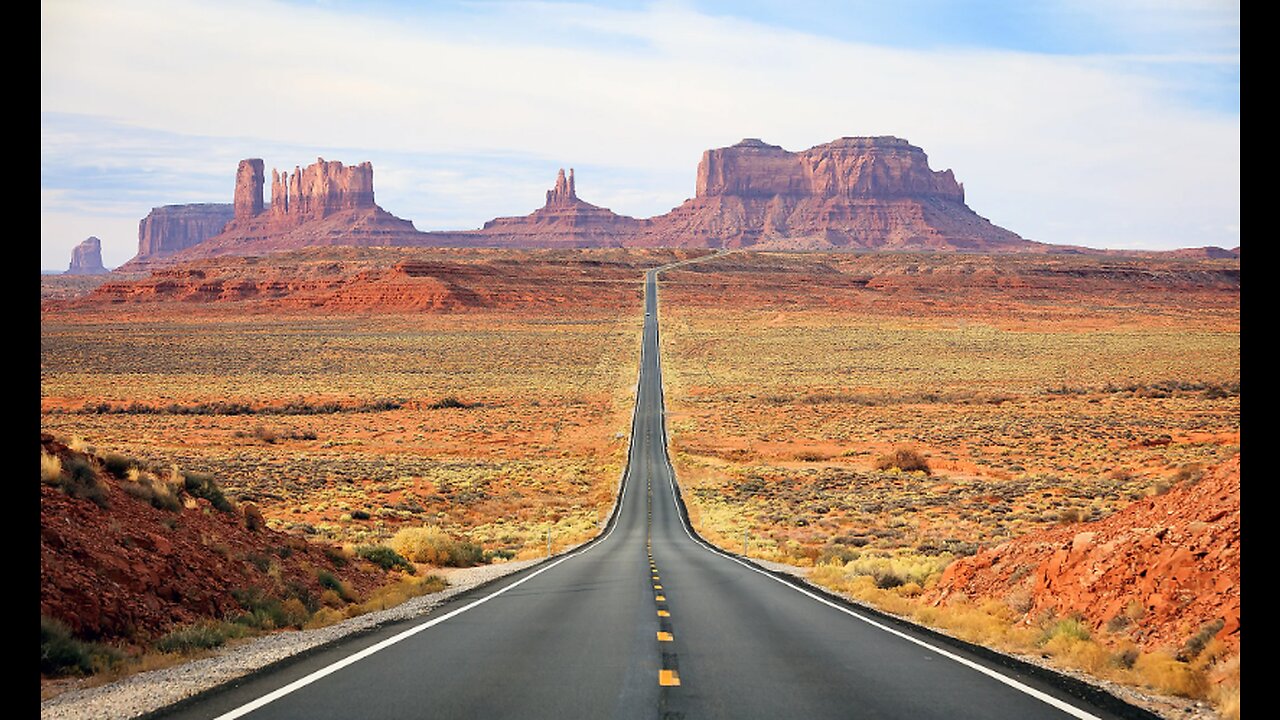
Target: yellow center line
(668,678)
(665,636)
(661,598)
(657,587)
(663,613)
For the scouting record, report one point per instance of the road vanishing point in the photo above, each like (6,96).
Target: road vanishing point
(649,621)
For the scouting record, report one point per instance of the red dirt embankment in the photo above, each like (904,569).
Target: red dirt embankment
(1166,566)
(122,569)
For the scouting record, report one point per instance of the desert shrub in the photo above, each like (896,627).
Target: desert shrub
(359,515)
(1196,643)
(434,546)
(1070,628)
(465,554)
(203,485)
(450,401)
(329,581)
(61,653)
(200,636)
(50,468)
(118,464)
(80,480)
(385,558)
(146,486)
(904,459)
(1163,672)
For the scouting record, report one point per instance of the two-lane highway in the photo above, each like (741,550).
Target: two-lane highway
(647,622)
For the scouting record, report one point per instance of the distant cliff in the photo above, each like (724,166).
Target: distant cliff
(860,193)
(853,193)
(169,229)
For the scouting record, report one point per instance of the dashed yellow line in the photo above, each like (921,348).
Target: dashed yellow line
(663,613)
(657,587)
(661,598)
(665,636)
(668,678)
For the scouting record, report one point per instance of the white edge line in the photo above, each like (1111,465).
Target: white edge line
(1037,694)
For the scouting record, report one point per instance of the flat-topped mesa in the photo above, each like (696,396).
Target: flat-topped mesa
(170,228)
(321,189)
(851,167)
(563,194)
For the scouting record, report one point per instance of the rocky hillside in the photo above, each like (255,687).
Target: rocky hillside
(1162,570)
(129,553)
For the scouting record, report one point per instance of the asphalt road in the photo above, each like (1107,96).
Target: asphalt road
(648,622)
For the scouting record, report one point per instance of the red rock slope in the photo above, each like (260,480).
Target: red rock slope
(119,568)
(1171,563)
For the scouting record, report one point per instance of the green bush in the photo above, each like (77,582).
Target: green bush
(203,485)
(201,636)
(385,558)
(61,653)
(80,480)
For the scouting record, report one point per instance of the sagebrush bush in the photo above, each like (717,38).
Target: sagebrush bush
(200,636)
(203,485)
(62,654)
(385,558)
(50,468)
(434,546)
(904,459)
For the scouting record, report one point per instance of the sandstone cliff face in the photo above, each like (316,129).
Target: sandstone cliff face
(855,192)
(320,190)
(86,258)
(248,192)
(326,203)
(172,228)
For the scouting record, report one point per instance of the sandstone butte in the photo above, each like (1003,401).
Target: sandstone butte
(86,258)
(1171,560)
(854,193)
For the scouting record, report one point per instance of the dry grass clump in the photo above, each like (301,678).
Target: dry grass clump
(904,459)
(433,546)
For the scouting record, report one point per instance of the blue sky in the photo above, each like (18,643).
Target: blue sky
(1107,124)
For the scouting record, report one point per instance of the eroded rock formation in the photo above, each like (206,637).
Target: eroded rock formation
(248,193)
(564,221)
(86,258)
(854,193)
(326,203)
(169,229)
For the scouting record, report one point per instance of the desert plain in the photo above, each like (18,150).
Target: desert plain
(870,419)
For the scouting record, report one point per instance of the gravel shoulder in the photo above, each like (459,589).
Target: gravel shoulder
(150,691)
(1172,708)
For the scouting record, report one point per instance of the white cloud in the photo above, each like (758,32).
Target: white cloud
(1057,148)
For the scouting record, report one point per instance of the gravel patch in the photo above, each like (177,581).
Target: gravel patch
(147,692)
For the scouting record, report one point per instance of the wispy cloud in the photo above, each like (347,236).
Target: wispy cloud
(466,110)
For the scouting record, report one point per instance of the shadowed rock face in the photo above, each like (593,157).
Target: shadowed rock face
(86,258)
(172,228)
